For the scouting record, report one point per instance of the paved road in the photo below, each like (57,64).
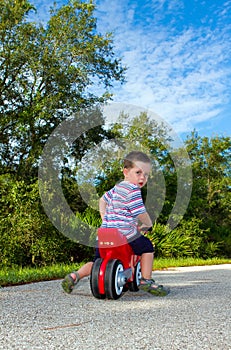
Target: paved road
(195,315)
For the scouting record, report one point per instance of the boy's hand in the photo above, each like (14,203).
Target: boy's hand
(145,220)
(144,228)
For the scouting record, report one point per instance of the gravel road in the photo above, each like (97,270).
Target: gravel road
(195,315)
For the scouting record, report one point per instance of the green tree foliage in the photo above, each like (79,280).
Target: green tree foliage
(211,195)
(151,136)
(27,237)
(47,74)
(205,230)
(188,239)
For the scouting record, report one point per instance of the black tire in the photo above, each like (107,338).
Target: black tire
(112,289)
(134,285)
(94,279)
(125,288)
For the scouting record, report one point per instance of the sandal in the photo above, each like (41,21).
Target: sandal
(69,282)
(149,285)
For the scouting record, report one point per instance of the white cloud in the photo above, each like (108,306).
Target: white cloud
(181,70)
(182,75)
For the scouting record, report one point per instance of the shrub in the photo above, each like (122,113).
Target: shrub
(187,240)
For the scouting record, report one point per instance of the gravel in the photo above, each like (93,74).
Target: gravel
(195,315)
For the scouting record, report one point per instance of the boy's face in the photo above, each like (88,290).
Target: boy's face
(138,175)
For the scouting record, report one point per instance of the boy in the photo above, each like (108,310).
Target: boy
(122,207)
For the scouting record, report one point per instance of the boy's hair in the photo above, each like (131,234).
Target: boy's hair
(135,156)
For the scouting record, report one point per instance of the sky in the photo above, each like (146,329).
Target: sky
(178,58)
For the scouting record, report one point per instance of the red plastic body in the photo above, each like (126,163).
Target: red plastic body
(113,245)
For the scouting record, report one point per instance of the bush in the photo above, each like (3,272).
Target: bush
(187,240)
(27,237)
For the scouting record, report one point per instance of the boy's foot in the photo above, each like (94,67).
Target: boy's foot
(149,285)
(69,282)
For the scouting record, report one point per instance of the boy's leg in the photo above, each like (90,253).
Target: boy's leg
(74,277)
(142,246)
(147,283)
(85,270)
(146,265)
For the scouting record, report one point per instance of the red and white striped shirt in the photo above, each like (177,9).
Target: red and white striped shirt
(124,204)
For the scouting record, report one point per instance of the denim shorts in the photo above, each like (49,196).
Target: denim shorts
(139,245)
(142,245)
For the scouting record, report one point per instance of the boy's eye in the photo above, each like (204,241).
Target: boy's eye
(139,172)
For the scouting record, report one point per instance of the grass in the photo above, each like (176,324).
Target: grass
(160,264)
(17,275)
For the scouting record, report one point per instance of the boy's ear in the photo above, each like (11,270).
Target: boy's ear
(125,171)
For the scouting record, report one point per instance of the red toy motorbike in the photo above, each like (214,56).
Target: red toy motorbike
(118,269)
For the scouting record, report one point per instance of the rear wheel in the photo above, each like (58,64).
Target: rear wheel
(94,279)
(113,281)
(134,285)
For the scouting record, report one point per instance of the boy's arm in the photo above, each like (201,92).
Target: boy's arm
(145,220)
(102,207)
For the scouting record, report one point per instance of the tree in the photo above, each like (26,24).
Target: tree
(169,185)
(27,237)
(211,195)
(47,74)
(150,136)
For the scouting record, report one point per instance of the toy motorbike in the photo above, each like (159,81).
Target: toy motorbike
(118,269)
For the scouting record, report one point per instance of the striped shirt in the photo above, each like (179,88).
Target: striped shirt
(124,204)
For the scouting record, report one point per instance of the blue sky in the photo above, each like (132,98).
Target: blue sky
(178,55)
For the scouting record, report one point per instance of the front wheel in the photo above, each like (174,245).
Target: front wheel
(134,285)
(113,282)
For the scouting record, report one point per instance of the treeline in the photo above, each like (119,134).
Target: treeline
(28,237)
(46,79)
(47,75)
